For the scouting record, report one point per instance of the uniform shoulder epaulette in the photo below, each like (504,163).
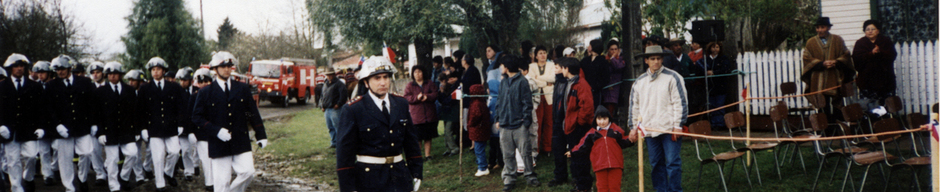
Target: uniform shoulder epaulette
(354,100)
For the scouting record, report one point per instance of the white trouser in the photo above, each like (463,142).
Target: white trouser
(189,155)
(111,164)
(50,158)
(144,162)
(97,159)
(165,153)
(243,165)
(29,152)
(66,149)
(12,165)
(203,151)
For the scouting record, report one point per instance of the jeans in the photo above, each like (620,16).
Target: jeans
(332,122)
(667,166)
(479,148)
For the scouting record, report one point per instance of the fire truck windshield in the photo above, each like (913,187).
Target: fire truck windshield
(266,70)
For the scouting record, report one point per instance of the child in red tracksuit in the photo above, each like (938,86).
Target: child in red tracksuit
(605,143)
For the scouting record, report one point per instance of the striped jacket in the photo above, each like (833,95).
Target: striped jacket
(659,100)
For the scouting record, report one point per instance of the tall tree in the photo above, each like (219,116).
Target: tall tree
(163,28)
(38,30)
(226,32)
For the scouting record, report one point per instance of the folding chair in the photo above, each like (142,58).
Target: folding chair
(704,127)
(852,115)
(779,115)
(918,162)
(736,120)
(789,88)
(878,157)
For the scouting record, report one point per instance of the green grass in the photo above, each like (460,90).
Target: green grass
(303,141)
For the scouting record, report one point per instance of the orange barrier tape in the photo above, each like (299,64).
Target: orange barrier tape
(789,139)
(764,98)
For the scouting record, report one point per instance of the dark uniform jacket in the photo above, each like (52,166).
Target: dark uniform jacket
(186,119)
(215,109)
(116,114)
(17,109)
(72,106)
(43,107)
(162,108)
(365,130)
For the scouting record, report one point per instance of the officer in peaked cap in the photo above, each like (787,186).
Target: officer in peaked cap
(44,77)
(374,130)
(116,120)
(18,117)
(224,110)
(187,139)
(96,70)
(96,73)
(72,109)
(203,78)
(164,104)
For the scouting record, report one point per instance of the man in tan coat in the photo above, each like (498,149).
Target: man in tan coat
(827,63)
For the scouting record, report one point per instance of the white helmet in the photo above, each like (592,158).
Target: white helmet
(134,74)
(185,73)
(96,65)
(223,58)
(41,66)
(16,59)
(203,75)
(112,67)
(63,62)
(157,62)
(375,65)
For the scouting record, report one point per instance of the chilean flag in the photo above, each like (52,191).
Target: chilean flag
(744,92)
(362,59)
(639,127)
(457,94)
(388,53)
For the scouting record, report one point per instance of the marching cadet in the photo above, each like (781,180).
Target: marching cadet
(95,69)
(144,165)
(79,69)
(187,139)
(170,75)
(163,106)
(203,79)
(44,75)
(72,107)
(225,109)
(117,102)
(374,130)
(18,118)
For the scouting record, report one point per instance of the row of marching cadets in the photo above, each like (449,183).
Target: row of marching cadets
(55,114)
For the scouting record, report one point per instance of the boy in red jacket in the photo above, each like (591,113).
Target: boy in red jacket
(605,144)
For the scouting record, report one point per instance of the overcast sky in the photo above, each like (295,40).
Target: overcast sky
(103,20)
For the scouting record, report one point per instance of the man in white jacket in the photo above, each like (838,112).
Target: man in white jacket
(658,102)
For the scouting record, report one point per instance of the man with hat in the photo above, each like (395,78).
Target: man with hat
(116,119)
(827,63)
(658,102)
(203,79)
(45,75)
(72,105)
(187,139)
(144,165)
(375,128)
(668,62)
(18,117)
(170,75)
(163,105)
(225,109)
(675,45)
(334,96)
(79,69)
(96,69)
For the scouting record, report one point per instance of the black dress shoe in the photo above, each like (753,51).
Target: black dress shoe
(188,178)
(161,190)
(507,187)
(48,181)
(100,182)
(210,188)
(170,181)
(125,185)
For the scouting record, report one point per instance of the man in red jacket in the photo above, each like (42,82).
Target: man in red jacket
(578,115)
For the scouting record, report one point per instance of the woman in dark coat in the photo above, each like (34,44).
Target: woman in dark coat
(714,63)
(421,94)
(874,56)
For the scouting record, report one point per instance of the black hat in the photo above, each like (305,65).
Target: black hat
(79,68)
(170,74)
(823,21)
(658,40)
(601,111)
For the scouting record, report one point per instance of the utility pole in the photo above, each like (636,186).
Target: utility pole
(202,20)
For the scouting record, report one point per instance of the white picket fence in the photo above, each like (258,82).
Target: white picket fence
(916,69)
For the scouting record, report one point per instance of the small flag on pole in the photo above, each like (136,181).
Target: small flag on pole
(457,94)
(933,129)
(388,53)
(744,92)
(640,129)
(362,59)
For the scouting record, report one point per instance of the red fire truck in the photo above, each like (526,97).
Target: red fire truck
(281,80)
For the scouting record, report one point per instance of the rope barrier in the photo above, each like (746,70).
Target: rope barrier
(790,139)
(764,98)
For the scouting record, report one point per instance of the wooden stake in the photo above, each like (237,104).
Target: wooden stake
(461,124)
(747,113)
(639,160)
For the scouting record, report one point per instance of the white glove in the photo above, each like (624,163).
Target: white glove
(62,131)
(4,132)
(263,143)
(144,135)
(179,131)
(225,135)
(102,139)
(136,137)
(94,129)
(39,133)
(192,138)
